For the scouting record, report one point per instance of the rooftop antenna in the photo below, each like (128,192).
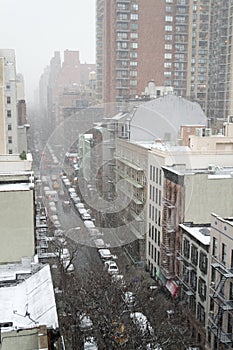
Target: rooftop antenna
(27,314)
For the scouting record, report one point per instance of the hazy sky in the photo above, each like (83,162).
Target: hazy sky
(37,28)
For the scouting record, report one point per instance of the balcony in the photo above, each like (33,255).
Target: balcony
(224,337)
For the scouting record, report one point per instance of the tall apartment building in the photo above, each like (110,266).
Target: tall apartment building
(220,319)
(220,103)
(129,47)
(182,44)
(8,116)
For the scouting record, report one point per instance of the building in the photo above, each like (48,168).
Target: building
(127,55)
(193,276)
(17,212)
(220,61)
(191,53)
(12,108)
(65,87)
(28,310)
(220,327)
(130,170)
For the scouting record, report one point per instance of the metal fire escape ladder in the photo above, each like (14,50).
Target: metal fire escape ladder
(168,251)
(222,305)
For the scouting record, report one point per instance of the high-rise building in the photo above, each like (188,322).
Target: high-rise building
(129,47)
(181,44)
(13,124)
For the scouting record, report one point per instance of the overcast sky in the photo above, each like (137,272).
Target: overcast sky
(37,28)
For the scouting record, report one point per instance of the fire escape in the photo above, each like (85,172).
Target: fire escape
(221,305)
(168,242)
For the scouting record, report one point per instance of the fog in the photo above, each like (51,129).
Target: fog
(37,28)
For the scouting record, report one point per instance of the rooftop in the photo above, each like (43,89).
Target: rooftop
(30,302)
(202,234)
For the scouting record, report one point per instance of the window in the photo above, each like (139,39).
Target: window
(8,113)
(202,289)
(167,65)
(133,35)
(121,6)
(200,313)
(215,247)
(122,16)
(122,36)
(149,230)
(186,248)
(133,73)
(168,37)
(203,262)
(8,100)
(133,54)
(10,151)
(193,280)
(168,46)
(224,253)
(133,63)
(168,8)
(134,26)
(122,45)
(9,139)
(134,16)
(134,45)
(194,254)
(168,18)
(167,74)
(9,127)
(134,7)
(133,82)
(122,26)
(168,56)
(168,28)
(152,232)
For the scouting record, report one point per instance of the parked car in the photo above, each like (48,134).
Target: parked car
(129,299)
(85,322)
(111,267)
(105,254)
(75,200)
(79,206)
(99,243)
(142,323)
(118,280)
(85,215)
(71,190)
(90,344)
(89,224)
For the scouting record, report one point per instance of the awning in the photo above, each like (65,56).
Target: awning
(161,277)
(173,288)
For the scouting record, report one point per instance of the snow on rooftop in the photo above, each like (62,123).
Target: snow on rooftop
(16,187)
(198,233)
(162,118)
(30,302)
